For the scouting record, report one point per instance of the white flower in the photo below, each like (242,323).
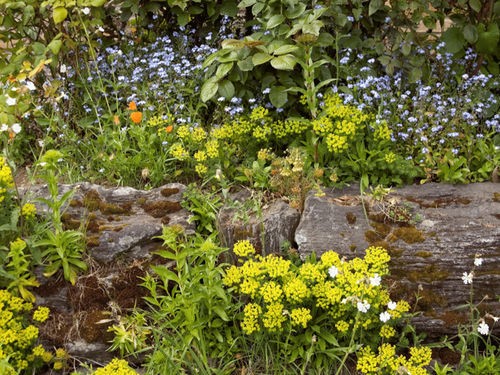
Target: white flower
(30,86)
(63,69)
(391,305)
(16,128)
(41,143)
(467,278)
(385,316)
(4,128)
(101,29)
(375,280)
(478,261)
(483,328)
(333,271)
(363,306)
(86,11)
(10,101)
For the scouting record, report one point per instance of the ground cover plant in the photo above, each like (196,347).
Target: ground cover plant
(281,97)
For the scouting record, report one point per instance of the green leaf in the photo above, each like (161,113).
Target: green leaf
(278,96)
(475,5)
(55,46)
(226,89)
(59,14)
(246,3)
(284,62)
(246,65)
(296,11)
(374,6)
(165,274)
(223,69)
(487,41)
(261,58)
(222,314)
(97,3)
(287,48)
(454,40)
(274,21)
(209,89)
(470,33)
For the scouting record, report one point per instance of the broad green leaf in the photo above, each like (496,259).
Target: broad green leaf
(313,28)
(284,62)
(374,6)
(223,69)
(258,7)
(406,49)
(296,11)
(226,89)
(246,3)
(222,314)
(28,14)
(470,33)
(229,8)
(246,65)
(274,21)
(59,14)
(97,3)
(487,42)
(278,96)
(475,5)
(261,58)
(454,39)
(209,89)
(55,46)
(287,48)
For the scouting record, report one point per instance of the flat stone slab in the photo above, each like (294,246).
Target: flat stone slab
(446,228)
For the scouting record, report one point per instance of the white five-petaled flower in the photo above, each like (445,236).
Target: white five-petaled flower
(478,261)
(30,86)
(391,305)
(333,271)
(10,101)
(483,328)
(385,316)
(363,306)
(467,278)
(4,128)
(375,280)
(86,11)
(63,69)
(16,128)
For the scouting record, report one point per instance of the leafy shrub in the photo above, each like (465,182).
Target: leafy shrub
(19,353)
(318,310)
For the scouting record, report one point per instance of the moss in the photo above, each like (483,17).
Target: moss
(92,330)
(92,200)
(496,197)
(161,208)
(453,318)
(353,248)
(93,241)
(428,300)
(496,216)
(381,228)
(70,222)
(350,217)
(429,273)
(372,236)
(75,203)
(440,202)
(167,192)
(115,209)
(165,220)
(394,252)
(408,234)
(423,254)
(140,201)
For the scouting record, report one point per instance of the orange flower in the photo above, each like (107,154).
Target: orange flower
(132,106)
(116,120)
(169,128)
(136,117)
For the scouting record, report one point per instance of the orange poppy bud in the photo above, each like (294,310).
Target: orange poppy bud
(132,106)
(136,117)
(169,128)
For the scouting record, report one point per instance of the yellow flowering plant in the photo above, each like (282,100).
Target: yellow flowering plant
(317,307)
(19,351)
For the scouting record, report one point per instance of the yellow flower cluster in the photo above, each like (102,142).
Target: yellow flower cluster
(388,362)
(280,292)
(212,148)
(336,143)
(6,179)
(41,314)
(390,157)
(157,121)
(382,132)
(116,367)
(179,152)
(259,113)
(183,132)
(200,156)
(300,317)
(17,338)
(243,248)
(28,211)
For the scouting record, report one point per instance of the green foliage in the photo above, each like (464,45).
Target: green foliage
(315,312)
(19,353)
(203,206)
(191,314)
(61,248)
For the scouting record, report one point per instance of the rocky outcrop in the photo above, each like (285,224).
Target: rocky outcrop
(433,232)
